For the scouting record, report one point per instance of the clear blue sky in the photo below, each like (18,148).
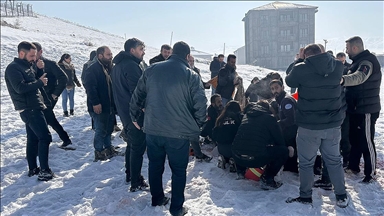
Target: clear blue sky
(207,25)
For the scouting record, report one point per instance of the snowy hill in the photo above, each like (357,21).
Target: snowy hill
(84,187)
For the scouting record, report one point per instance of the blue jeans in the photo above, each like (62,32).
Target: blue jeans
(177,151)
(328,141)
(38,138)
(103,129)
(68,94)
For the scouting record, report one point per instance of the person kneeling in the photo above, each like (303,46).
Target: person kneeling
(224,132)
(259,142)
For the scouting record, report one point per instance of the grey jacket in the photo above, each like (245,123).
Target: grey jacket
(175,102)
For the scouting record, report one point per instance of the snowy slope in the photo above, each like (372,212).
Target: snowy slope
(84,187)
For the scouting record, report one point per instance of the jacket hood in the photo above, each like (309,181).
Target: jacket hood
(125,55)
(323,63)
(256,110)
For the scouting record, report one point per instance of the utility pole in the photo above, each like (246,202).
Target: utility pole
(170,44)
(325,44)
(224,50)
(125,36)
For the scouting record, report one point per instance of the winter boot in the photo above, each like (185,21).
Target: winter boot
(71,112)
(66,114)
(45,175)
(33,172)
(204,157)
(100,155)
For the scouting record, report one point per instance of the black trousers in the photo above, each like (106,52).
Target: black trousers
(275,158)
(134,153)
(52,121)
(38,138)
(361,135)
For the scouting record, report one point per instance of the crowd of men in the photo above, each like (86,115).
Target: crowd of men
(163,109)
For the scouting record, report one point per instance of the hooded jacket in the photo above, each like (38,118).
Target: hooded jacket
(321,103)
(257,131)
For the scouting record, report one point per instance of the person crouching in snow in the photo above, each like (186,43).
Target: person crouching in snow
(224,133)
(259,142)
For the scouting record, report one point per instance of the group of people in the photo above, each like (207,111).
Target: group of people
(163,109)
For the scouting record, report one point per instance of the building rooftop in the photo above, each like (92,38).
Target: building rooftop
(283,5)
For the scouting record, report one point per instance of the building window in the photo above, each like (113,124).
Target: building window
(303,17)
(303,45)
(285,48)
(264,17)
(303,33)
(265,34)
(285,33)
(285,17)
(264,49)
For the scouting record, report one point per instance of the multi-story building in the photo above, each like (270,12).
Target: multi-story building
(275,32)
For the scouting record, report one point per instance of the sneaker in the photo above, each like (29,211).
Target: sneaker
(163,202)
(33,172)
(269,184)
(66,143)
(183,211)
(116,128)
(65,114)
(343,202)
(221,162)
(307,201)
(100,155)
(232,165)
(367,180)
(326,185)
(205,158)
(45,175)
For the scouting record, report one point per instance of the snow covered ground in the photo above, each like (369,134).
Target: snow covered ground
(84,187)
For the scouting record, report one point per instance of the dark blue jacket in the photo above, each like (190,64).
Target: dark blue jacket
(98,89)
(125,75)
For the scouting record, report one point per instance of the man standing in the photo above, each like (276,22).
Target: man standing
(175,109)
(320,112)
(363,100)
(57,81)
(100,102)
(23,87)
(215,66)
(227,80)
(165,52)
(125,75)
(286,112)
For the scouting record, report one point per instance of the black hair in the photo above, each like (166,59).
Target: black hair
(92,55)
(166,47)
(231,56)
(38,46)
(276,81)
(64,56)
(132,43)
(232,109)
(340,54)
(221,55)
(25,46)
(101,50)
(181,49)
(312,49)
(213,98)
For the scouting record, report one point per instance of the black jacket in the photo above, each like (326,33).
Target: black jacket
(290,67)
(287,108)
(125,75)
(197,70)
(22,85)
(251,92)
(365,98)
(86,66)
(211,121)
(175,102)
(225,80)
(215,67)
(224,134)
(258,130)
(98,88)
(158,58)
(71,74)
(57,79)
(321,103)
